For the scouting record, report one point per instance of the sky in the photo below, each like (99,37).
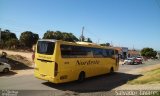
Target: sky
(125,23)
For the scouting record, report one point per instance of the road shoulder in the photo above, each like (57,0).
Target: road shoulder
(140,71)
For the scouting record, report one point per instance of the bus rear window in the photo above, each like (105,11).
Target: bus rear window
(45,47)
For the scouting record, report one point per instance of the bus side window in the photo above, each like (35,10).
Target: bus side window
(112,52)
(109,53)
(78,51)
(66,51)
(104,53)
(98,52)
(69,51)
(88,51)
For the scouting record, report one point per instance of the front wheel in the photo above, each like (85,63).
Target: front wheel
(81,77)
(5,70)
(111,71)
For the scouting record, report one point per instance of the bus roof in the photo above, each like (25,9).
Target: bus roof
(86,44)
(51,40)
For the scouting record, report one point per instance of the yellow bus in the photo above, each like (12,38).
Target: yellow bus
(59,61)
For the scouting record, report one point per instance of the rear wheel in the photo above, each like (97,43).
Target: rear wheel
(81,77)
(5,70)
(111,71)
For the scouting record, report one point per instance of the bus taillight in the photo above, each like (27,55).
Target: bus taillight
(55,69)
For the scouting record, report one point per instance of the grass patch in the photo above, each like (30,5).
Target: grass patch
(150,77)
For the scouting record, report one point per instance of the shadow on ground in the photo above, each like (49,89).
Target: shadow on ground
(15,65)
(7,74)
(95,84)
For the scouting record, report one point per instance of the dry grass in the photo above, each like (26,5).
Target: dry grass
(17,62)
(28,55)
(150,77)
(20,59)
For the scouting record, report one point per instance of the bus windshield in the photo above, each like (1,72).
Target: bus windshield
(45,47)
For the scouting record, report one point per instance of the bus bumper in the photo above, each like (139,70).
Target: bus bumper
(46,77)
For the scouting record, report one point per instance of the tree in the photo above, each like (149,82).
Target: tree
(12,43)
(7,35)
(28,39)
(82,38)
(88,40)
(58,35)
(73,37)
(8,39)
(108,44)
(105,44)
(50,35)
(148,52)
(67,37)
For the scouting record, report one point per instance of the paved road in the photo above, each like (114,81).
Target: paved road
(125,68)
(95,84)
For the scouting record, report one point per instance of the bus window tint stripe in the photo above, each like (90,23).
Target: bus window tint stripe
(70,51)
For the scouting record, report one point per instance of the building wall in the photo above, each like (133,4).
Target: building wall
(123,51)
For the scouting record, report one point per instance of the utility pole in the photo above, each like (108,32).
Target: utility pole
(111,44)
(133,48)
(98,41)
(82,37)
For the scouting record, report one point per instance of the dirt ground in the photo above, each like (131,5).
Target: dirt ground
(23,71)
(28,55)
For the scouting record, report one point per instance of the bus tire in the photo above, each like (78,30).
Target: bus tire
(111,70)
(81,77)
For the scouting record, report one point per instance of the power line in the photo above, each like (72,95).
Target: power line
(98,38)
(93,34)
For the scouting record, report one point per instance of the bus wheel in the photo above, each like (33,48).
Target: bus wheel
(81,77)
(111,71)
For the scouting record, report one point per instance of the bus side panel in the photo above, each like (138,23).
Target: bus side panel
(90,69)
(106,62)
(105,65)
(70,68)
(67,70)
